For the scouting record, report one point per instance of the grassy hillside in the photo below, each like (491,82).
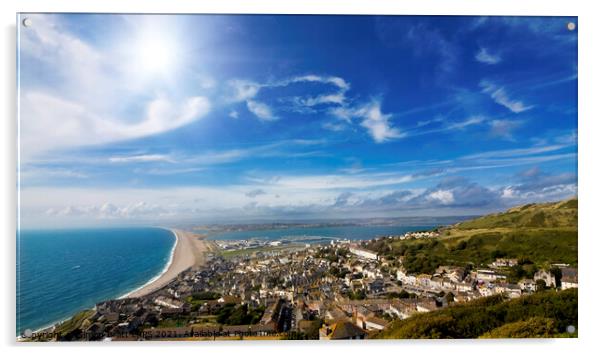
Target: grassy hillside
(535,247)
(544,314)
(542,215)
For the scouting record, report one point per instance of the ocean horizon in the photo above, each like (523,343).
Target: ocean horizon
(63,271)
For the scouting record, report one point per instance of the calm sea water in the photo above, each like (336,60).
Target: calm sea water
(60,272)
(317,234)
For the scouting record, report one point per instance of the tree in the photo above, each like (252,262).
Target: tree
(540,285)
(557,273)
(450,297)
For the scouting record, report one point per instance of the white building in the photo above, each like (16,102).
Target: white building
(363,253)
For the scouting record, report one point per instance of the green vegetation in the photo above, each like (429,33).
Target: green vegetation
(69,329)
(356,295)
(543,314)
(536,327)
(173,323)
(232,314)
(198,299)
(523,233)
(532,246)
(229,254)
(544,215)
(205,295)
(311,333)
(331,255)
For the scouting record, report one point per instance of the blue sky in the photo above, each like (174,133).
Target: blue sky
(138,119)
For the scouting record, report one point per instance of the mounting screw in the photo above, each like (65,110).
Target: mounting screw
(571,26)
(571,329)
(27,22)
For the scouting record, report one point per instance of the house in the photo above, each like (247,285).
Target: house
(426,305)
(402,310)
(342,330)
(500,262)
(375,323)
(464,287)
(569,278)
(335,314)
(489,275)
(376,286)
(169,302)
(527,285)
(226,299)
(363,253)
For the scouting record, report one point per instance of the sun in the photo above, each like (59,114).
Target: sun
(156,55)
(153,53)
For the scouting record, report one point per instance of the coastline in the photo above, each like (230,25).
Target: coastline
(188,251)
(160,274)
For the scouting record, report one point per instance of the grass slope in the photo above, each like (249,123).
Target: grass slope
(488,240)
(544,314)
(542,215)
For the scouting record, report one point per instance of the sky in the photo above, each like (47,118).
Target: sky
(138,119)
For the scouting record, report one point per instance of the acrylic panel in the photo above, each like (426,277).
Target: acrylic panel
(296,177)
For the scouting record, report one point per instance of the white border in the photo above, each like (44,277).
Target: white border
(590,35)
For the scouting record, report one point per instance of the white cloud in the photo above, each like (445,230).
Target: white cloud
(261,110)
(247,91)
(334,126)
(484,56)
(320,182)
(372,119)
(377,123)
(338,99)
(49,122)
(515,153)
(243,89)
(499,95)
(233,114)
(504,128)
(445,197)
(474,120)
(334,80)
(143,158)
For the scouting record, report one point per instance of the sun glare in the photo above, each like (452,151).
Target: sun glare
(155,55)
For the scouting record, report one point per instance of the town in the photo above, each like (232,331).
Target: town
(337,290)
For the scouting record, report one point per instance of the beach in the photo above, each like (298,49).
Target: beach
(190,251)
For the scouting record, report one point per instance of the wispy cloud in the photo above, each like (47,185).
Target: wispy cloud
(499,95)
(371,117)
(335,181)
(261,110)
(144,158)
(78,126)
(504,128)
(484,56)
(233,114)
(247,91)
(255,193)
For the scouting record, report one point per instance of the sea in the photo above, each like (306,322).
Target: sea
(326,233)
(61,272)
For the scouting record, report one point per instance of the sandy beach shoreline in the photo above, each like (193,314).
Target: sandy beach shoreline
(189,252)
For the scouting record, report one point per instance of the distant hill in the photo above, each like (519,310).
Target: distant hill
(533,215)
(543,314)
(535,234)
